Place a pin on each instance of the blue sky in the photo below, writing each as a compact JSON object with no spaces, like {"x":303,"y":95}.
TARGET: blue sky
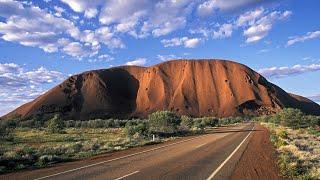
{"x":44,"y":41}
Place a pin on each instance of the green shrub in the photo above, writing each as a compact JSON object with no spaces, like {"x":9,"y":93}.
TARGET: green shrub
{"x":186,"y":121}
{"x":210,"y":121}
{"x":163,"y":122}
{"x":291,"y":118}
{"x":133,"y":128}
{"x":55,"y":125}
{"x":198,"y":123}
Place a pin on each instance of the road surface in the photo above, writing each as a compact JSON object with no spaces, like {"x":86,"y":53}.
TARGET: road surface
{"x":209,"y":156}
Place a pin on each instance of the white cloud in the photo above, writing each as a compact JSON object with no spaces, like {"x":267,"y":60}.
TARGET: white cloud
{"x":224,"y":31}
{"x":258,"y":25}
{"x":32,"y":26}
{"x":140,"y":18}
{"x":89,"y":8}
{"x":167,"y":57}
{"x":59,"y":11}
{"x":76,"y":49}
{"x":308,"y":36}
{"x":102,"y":58}
{"x":18,"y":86}
{"x":184,"y":41}
{"x":137,"y":62}
{"x":29,"y":25}
{"x":249,"y":17}
{"x":279,"y":72}
{"x":209,"y":6}
{"x":35,"y":27}
{"x":106,"y":57}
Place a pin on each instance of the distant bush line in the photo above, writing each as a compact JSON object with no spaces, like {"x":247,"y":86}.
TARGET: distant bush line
{"x":292,"y":118}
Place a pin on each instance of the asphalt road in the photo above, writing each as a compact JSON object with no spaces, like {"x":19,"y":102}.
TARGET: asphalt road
{"x":210,"y":156}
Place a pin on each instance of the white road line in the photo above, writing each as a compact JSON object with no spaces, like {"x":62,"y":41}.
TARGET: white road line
{"x":200,"y":145}
{"x":122,"y":177}
{"x":130,"y":155}
{"x":229,"y":157}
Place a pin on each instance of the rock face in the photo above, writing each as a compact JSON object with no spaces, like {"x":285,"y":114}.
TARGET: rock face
{"x":191,"y":87}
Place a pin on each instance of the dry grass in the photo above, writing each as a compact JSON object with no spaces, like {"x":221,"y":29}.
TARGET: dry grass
{"x":38,"y":148}
{"x":299,"y":151}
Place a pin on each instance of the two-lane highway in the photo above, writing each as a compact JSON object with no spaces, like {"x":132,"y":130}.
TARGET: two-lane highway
{"x":209,"y":156}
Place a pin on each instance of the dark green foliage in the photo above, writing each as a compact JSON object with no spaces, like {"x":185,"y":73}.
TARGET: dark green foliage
{"x":164,"y":122}
{"x":132,"y":128}
{"x":55,"y":125}
{"x":291,"y":118}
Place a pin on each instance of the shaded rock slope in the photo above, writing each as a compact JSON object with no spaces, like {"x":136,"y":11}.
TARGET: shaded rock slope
{"x":192,"y":87}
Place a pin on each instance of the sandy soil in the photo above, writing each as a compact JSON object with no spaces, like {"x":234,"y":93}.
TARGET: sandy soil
{"x":259,"y":159}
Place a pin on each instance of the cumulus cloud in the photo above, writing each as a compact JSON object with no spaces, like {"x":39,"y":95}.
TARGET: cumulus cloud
{"x":89,"y":8}
{"x":308,"y":36}
{"x":31,"y":26}
{"x":224,"y":31}
{"x":279,"y":72}
{"x":137,"y":62}
{"x":184,"y":41}
{"x":209,"y":6}
{"x":55,"y":29}
{"x":138,"y":18}
{"x":256,"y":25}
{"x":18,"y":85}
{"x":259,"y":22}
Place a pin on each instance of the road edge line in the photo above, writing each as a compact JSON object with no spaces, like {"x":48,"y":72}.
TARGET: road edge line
{"x":229,"y":157}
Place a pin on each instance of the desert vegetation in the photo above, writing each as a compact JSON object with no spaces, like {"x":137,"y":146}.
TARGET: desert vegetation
{"x":38,"y":142}
{"x":296,"y":137}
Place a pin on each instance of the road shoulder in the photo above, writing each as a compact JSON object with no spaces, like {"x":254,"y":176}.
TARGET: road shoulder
{"x":259,"y":160}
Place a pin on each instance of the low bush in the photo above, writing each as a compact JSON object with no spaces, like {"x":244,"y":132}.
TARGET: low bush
{"x":164,"y":122}
{"x":136,"y":129}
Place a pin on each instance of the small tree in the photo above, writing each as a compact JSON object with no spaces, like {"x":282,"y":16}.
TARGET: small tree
{"x":55,"y":124}
{"x":4,"y":129}
{"x":291,"y":117}
{"x":163,"y":122}
{"x":132,"y":128}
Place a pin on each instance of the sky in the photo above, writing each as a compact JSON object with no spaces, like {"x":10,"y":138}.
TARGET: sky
{"x":42,"y":42}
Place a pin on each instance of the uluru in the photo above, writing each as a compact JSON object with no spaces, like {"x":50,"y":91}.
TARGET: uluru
{"x":196,"y":88}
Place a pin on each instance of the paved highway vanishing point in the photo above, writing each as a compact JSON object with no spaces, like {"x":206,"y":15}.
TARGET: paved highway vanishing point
{"x":210,"y":156}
